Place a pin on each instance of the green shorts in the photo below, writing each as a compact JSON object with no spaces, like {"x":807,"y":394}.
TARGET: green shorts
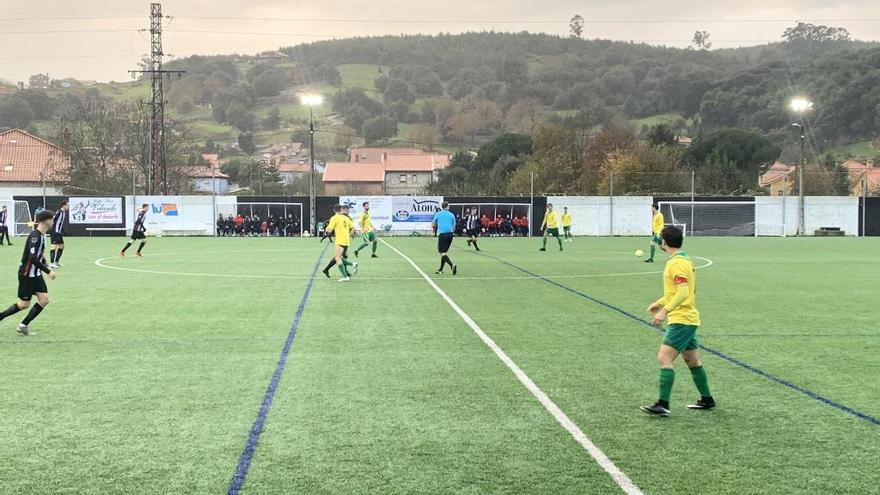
{"x":370,"y":236}
{"x":554,"y":231}
{"x":566,"y":229}
{"x":656,"y":239}
{"x":681,"y":337}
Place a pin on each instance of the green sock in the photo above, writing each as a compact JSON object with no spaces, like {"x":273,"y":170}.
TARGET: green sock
{"x":345,"y":262}
{"x":701,"y":380}
{"x":342,"y":270}
{"x":375,"y":245}
{"x":667,"y":378}
{"x":361,"y":247}
{"x":652,"y":251}
{"x":545,"y":242}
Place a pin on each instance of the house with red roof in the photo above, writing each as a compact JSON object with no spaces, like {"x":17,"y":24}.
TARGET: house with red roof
{"x":204,"y":176}
{"x":862,"y":174}
{"x":779,"y":179}
{"x":397,"y":171}
{"x":28,"y":164}
{"x":342,"y":178}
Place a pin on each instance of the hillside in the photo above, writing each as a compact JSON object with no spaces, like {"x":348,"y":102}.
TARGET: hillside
{"x":457,"y":91}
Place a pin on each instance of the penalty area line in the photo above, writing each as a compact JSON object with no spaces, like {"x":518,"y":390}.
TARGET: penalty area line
{"x":619,"y":477}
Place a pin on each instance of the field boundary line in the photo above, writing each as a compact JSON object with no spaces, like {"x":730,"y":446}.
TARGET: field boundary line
{"x":619,"y":477}
{"x":730,"y":359}
{"x":247,"y":455}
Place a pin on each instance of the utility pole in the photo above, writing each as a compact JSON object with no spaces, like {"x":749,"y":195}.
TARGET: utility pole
{"x":158,"y":180}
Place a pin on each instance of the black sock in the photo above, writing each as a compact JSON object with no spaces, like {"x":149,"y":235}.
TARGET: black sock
{"x":442,"y":262}
{"x":36,"y":309}
{"x":663,"y":403}
{"x":330,"y":265}
{"x":11,"y":310}
{"x":446,"y":259}
{"x":475,"y":246}
{"x":127,"y":245}
{"x":51,"y":256}
{"x":58,"y":256}
{"x":141,"y":247}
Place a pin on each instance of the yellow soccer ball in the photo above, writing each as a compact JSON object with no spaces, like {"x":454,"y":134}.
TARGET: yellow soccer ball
{"x":639,"y":253}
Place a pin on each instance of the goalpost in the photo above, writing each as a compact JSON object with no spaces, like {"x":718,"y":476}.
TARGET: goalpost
{"x":711,"y":218}
{"x":19,"y":219}
{"x":264,"y":210}
{"x":492,"y":210}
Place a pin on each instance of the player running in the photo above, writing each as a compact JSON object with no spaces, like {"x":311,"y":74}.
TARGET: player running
{"x":444,"y":224}
{"x":341,"y":227}
{"x":138,"y":232}
{"x":4,"y":226}
{"x":679,"y":305}
{"x":472,"y":227}
{"x":366,"y":223}
{"x":656,"y":228}
{"x":550,"y":226}
{"x":56,"y":235}
{"x":566,"y":224}
{"x":30,"y":274}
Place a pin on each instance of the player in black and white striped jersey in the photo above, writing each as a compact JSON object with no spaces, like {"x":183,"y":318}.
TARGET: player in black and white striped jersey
{"x":138,"y":232}
{"x":30,"y":274}
{"x":472,"y":227}
{"x":4,"y":226}
{"x":56,"y":235}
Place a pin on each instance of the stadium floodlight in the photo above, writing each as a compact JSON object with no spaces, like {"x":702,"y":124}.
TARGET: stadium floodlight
{"x":800,"y":105}
{"x":312,"y":101}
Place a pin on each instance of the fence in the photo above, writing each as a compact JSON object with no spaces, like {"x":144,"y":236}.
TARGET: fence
{"x":592,"y":215}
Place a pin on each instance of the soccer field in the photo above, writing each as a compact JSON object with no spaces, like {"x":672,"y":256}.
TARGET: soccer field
{"x":170,"y":374}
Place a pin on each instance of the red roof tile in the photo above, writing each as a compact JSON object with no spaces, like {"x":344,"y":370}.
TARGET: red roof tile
{"x":416,"y":163}
{"x":27,"y":158}
{"x":377,"y":155}
{"x":775,"y":173}
{"x":291,"y":167}
{"x":354,"y":172}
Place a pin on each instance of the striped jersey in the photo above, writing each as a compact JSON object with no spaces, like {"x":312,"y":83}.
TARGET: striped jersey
{"x":139,"y":223}
{"x":472,"y":221}
{"x":60,"y":221}
{"x":32,"y":262}
{"x":3,"y":217}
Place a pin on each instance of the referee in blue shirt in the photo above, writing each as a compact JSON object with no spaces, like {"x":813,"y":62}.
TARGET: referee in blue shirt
{"x":444,"y":225}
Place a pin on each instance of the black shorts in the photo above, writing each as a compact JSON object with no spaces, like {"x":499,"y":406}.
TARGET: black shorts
{"x":28,"y":286}
{"x":137,"y":236}
{"x":473,"y":232}
{"x":444,"y":242}
{"x":56,"y":239}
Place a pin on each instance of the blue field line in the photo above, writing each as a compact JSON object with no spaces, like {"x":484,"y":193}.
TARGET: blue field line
{"x":244,"y":462}
{"x":714,"y":352}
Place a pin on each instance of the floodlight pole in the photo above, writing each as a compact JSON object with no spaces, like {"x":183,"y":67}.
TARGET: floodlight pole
{"x":801,"y":228}
{"x":313,"y":226}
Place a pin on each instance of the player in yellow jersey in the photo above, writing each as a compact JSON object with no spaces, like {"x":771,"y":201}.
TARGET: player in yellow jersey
{"x":566,"y":224}
{"x":369,"y":233}
{"x":550,"y":226}
{"x":657,"y":223}
{"x":679,"y":306}
{"x":342,"y":227}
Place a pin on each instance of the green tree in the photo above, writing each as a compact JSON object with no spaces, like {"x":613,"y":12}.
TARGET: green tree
{"x":660,"y":134}
{"x":16,"y":112}
{"x":398,"y":90}
{"x":239,"y":116}
{"x":379,"y":129}
{"x":273,"y":119}
{"x":576,"y":26}
{"x":270,"y":83}
{"x":246,"y":142}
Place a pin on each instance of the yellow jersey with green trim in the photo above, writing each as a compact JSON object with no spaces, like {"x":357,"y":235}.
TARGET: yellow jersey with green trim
{"x":680,"y":270}
{"x":341,"y":226}
{"x":657,"y":223}
{"x":365,"y":221}
{"x":550,"y":220}
{"x":566,"y":219}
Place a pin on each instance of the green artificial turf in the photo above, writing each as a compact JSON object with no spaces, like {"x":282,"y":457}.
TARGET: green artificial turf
{"x":146,"y":375}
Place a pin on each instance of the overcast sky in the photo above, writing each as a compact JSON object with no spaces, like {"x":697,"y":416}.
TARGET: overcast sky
{"x":104,"y":49}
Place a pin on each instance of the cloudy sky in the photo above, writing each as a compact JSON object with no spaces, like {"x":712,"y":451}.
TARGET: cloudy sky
{"x":97,"y":39}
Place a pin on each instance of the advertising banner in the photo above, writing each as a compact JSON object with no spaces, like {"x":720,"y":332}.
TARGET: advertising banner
{"x":414,"y":212}
{"x":96,"y":211}
{"x":380,"y":210}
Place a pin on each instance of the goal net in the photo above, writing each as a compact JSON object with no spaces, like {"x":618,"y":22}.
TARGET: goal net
{"x":711,"y":218}
{"x":288,"y":216}
{"x":19,"y":218}
{"x":497,"y":219}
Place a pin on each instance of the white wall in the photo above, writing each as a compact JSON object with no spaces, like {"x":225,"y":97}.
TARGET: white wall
{"x":602,"y":215}
{"x":8,"y":191}
{"x":831,"y":211}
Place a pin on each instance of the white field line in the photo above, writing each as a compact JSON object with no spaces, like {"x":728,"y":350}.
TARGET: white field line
{"x":595,"y":452}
